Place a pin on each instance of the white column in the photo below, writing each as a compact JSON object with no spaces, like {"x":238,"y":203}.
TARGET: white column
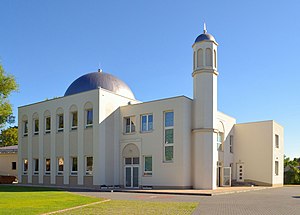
{"x":41,"y":148}
{"x":80,"y":157}
{"x":117,"y":147}
{"x":53,"y":153}
{"x":67,"y":128}
{"x":29,"y":157}
{"x":20,"y":146}
{"x":96,"y":143}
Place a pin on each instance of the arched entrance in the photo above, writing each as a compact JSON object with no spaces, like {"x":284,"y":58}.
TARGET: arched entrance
{"x":131,"y":159}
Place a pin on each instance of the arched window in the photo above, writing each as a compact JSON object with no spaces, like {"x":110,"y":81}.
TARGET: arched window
{"x":208,"y":57}
{"x":73,"y":117}
{"x":199,"y":58}
{"x":215,"y":58}
{"x":194,"y":62}
{"x":88,"y":114}
{"x":35,"y":119}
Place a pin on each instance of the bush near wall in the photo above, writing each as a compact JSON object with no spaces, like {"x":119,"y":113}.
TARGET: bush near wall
{"x":4,"y":179}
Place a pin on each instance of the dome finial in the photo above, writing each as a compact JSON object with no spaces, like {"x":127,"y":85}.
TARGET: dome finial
{"x":204,"y":28}
{"x":99,"y":67}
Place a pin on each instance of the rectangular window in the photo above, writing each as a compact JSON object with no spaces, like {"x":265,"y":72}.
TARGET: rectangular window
{"x":47,"y":166}
{"x":60,"y":120}
{"x":220,"y":138}
{"x":74,"y":166}
{"x":89,"y":117}
{"x":129,"y":124}
{"x":47,"y":124}
{"x":148,"y":166}
{"x":13,"y":165}
{"x":25,"y":166}
{"x":74,"y":118}
{"x":146,"y":122}
{"x":231,"y":143}
{"x":89,"y":166}
{"x":168,"y":136}
{"x":35,"y":166}
{"x":25,"y":128}
{"x":36,"y":126}
{"x":276,"y":141}
{"x":60,"y":166}
{"x":276,"y":168}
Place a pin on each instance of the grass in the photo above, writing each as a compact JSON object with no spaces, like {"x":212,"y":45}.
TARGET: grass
{"x":121,"y":207}
{"x":36,"y":200}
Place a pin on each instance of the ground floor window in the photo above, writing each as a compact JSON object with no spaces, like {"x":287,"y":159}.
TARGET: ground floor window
{"x":74,"y":165}
{"x":276,"y":168}
{"x":25,"y":166}
{"x":60,"y":166}
{"x":89,"y":166}
{"x":148,"y":166}
{"x":47,"y":166}
{"x":36,"y":166}
{"x":13,"y":165}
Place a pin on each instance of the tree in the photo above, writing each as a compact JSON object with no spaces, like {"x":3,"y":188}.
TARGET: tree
{"x":7,"y":86}
{"x":292,"y":172}
{"x":9,"y":136}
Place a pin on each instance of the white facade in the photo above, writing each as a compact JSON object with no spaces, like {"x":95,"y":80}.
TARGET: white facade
{"x":98,"y":134}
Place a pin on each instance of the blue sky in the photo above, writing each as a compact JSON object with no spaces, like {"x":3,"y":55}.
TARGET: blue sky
{"x":48,"y":44}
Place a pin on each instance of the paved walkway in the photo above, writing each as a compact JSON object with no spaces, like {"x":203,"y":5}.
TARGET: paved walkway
{"x":275,"y":201}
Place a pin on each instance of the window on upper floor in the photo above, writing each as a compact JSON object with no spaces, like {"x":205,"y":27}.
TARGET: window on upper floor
{"x":147,"y":165}
{"x":168,"y":136}
{"x":47,"y":124}
{"x":74,"y":120}
{"x":129,"y":124}
{"x":60,"y":122}
{"x":25,"y":128}
{"x":89,"y":166}
{"x":36,"y":127}
{"x":146,"y":122}
{"x":276,"y":140}
{"x":231,"y":144}
{"x":220,"y":139}
{"x":89,"y":118}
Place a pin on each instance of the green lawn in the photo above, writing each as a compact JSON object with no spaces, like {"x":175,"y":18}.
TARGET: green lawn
{"x":35,"y":200}
{"x":137,"y":207}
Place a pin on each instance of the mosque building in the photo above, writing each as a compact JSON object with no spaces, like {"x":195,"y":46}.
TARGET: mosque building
{"x":98,"y":134}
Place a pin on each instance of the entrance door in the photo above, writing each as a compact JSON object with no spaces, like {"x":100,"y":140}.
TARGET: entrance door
{"x":240,"y":172}
{"x":131,"y":176}
{"x":226,"y":177}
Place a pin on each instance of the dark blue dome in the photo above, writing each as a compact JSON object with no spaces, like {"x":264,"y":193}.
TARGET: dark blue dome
{"x":205,"y":36}
{"x":96,"y":80}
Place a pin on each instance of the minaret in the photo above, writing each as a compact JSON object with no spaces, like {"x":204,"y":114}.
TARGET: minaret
{"x":205,"y":76}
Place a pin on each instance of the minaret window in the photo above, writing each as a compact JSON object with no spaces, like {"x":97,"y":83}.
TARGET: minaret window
{"x":208,"y":57}
{"x":199,"y":58}
{"x":194,"y":61}
{"x":215,"y":59}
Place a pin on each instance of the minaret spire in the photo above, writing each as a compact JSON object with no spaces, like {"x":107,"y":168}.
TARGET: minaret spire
{"x":204,"y":28}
